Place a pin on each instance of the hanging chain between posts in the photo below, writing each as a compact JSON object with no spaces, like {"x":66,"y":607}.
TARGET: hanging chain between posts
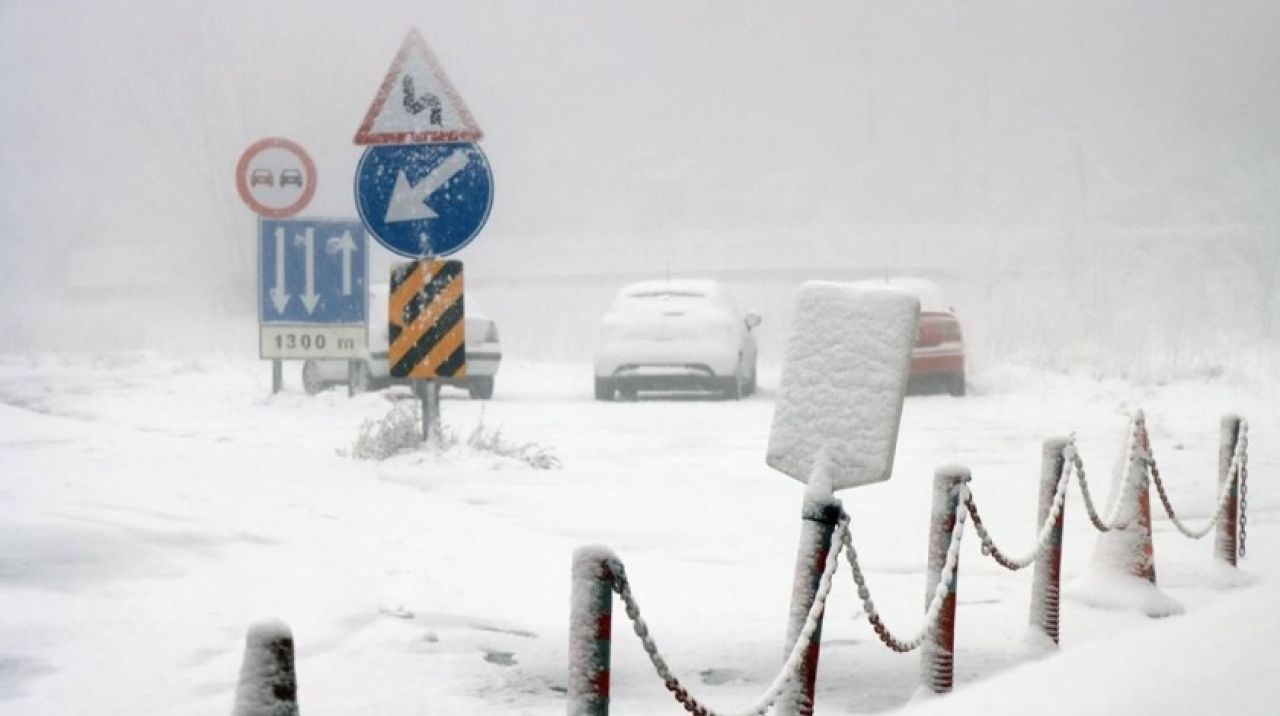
{"x":1112,"y":522}
{"x":934,"y":611}
{"x":1244,"y":503}
{"x":793,"y":663}
{"x":1045,"y":534}
{"x":1235,"y":473}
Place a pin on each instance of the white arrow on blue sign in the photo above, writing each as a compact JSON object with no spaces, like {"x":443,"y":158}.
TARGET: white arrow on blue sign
{"x":422,"y":200}
{"x":312,"y":272}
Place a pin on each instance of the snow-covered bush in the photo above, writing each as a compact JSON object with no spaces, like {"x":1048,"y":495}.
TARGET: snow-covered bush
{"x":539,"y":457}
{"x":400,"y":431}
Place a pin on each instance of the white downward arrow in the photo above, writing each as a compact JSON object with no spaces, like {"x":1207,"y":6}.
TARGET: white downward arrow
{"x":279,"y":298}
{"x":309,"y":297}
{"x":407,"y":199}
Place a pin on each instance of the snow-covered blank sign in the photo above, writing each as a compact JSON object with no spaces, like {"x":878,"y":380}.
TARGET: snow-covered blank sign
{"x":843,"y":383}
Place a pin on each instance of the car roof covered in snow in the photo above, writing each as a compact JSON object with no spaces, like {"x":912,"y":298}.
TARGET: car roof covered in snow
{"x":689,"y":286}
{"x":931,"y":299}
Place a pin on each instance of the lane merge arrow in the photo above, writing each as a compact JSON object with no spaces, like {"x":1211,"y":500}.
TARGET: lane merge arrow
{"x":346,"y":246}
{"x":407,"y":200}
{"x":279,"y":298}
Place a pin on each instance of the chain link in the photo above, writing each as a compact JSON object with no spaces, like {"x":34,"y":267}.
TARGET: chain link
{"x":1242,"y":447}
{"x":1235,"y":473}
{"x":790,"y":667}
{"x":934,"y":611}
{"x":1098,"y":523}
{"x":1043,"y":535}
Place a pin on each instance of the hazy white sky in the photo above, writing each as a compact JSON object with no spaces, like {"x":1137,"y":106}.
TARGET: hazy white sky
{"x":706,"y":129}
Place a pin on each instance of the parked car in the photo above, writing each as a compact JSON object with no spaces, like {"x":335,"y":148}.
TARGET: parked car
{"x":675,"y":335}
{"x":484,"y":355}
{"x":937,"y":359}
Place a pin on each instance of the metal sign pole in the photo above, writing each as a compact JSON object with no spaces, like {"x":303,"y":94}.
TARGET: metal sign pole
{"x":277,"y":376}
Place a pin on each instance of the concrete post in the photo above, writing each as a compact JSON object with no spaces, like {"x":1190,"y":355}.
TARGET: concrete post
{"x":1047,"y":579}
{"x":590,"y":632}
{"x":937,"y":654}
{"x":1225,"y":545}
{"x":268,"y":684}
{"x":819,"y":515}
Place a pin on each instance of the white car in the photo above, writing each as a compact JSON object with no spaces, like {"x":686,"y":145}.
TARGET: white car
{"x":484,"y":355}
{"x":674,"y":335}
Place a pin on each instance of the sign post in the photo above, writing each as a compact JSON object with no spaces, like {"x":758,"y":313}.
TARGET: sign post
{"x":424,"y":190}
{"x":276,"y":178}
{"x":836,"y":426}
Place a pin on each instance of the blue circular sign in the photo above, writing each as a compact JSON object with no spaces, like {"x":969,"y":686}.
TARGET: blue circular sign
{"x":422,"y":200}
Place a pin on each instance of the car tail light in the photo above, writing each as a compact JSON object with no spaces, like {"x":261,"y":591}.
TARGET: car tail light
{"x":491,"y":334}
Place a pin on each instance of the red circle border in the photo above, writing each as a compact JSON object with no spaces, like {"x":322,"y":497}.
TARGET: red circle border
{"x":242,"y":184}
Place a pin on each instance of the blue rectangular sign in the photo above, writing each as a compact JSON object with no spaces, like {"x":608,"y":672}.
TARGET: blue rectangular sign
{"x":312,"y":271}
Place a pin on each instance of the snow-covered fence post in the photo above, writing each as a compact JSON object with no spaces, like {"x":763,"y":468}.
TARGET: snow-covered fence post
{"x":268,"y":684}
{"x":1047,"y":580}
{"x":1225,"y":546}
{"x":1140,"y":475}
{"x":937,"y":654}
{"x":819,"y":516}
{"x":590,"y":629}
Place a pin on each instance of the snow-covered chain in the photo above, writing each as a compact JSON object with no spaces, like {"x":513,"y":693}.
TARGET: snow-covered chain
{"x":934,"y":611}
{"x":790,"y":667}
{"x":1239,"y":463}
{"x":1045,"y":535}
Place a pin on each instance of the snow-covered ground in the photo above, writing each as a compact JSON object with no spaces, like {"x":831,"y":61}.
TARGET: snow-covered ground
{"x":152,"y":509}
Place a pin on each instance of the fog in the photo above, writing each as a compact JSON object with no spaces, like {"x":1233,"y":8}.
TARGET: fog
{"x":1096,"y":185}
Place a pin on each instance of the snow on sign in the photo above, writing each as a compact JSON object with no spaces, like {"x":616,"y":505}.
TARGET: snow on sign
{"x":417,"y":104}
{"x":276,"y":178}
{"x":843,"y":383}
{"x":313,"y":297}
{"x":422,"y":200}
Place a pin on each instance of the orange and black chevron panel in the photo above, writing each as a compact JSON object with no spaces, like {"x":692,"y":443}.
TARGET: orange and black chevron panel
{"x":426,"y":323}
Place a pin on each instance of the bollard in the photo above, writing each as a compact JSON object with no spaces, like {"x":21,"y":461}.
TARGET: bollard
{"x":590,"y":628}
{"x":937,"y":654}
{"x":819,"y":516}
{"x":1225,"y":545}
{"x":268,"y":684}
{"x":1047,"y":580}
{"x":1140,"y":471}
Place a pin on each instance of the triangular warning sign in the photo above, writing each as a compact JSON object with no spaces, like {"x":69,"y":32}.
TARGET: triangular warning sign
{"x":417,"y":104}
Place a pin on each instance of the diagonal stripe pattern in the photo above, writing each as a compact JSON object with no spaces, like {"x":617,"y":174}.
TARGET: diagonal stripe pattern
{"x":426,"y":325}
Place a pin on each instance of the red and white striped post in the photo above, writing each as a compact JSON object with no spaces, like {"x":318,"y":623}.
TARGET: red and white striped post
{"x":819,"y":516}
{"x":1047,"y":579}
{"x":1225,"y":545}
{"x":268,"y":683}
{"x":1145,"y":563}
{"x":590,"y":631}
{"x":937,"y":654}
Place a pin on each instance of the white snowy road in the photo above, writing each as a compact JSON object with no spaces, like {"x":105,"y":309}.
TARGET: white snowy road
{"x":151,"y":510}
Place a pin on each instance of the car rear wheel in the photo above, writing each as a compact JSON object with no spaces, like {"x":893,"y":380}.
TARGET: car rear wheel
{"x":480,"y":386}
{"x":955,"y":384}
{"x":361,"y":378}
{"x":311,"y":378}
{"x":604,"y":389}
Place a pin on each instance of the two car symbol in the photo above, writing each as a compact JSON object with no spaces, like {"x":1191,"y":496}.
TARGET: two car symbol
{"x":287,"y":177}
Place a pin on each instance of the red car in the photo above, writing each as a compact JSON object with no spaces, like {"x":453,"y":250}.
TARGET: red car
{"x":937,"y":359}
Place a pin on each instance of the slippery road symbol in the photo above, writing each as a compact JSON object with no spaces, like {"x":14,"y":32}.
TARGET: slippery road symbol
{"x":415,"y":104}
{"x":408,"y":201}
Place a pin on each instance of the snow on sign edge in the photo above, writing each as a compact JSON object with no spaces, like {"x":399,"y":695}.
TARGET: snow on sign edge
{"x":843,"y":383}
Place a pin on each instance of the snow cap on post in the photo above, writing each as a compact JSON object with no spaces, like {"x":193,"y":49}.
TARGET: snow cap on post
{"x":843,"y":383}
